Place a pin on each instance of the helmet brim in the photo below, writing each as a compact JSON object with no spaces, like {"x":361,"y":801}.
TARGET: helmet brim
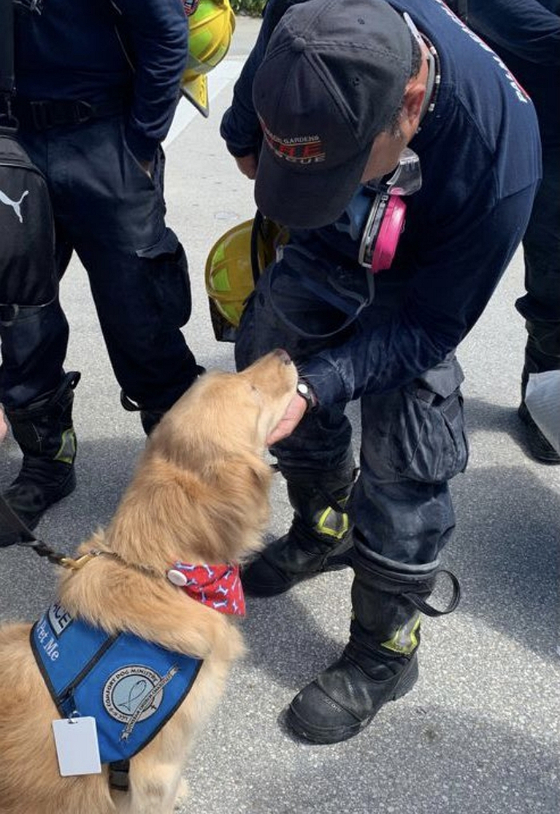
{"x":196,"y":91}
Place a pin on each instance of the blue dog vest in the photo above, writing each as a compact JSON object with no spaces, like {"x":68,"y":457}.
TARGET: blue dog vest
{"x":130,"y":686}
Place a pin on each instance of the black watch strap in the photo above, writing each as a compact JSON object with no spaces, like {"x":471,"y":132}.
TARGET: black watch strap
{"x":305,"y":391}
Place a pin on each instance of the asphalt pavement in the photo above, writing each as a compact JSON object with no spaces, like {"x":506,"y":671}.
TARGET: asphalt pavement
{"x":479,"y":733}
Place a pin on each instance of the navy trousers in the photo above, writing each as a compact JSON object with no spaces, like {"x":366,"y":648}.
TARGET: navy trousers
{"x":112,"y":214}
{"x":412,"y":439}
{"x":541,"y":246}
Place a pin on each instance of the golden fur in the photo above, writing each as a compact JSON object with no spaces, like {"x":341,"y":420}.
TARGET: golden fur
{"x":199,"y":495}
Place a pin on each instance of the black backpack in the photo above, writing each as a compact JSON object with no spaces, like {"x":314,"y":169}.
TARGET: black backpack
{"x":27,"y":268}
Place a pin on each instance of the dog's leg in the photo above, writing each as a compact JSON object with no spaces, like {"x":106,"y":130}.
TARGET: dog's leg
{"x":182,"y":794}
{"x":153,"y":788}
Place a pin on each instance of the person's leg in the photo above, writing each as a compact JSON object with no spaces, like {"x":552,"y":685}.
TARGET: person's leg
{"x":36,"y":393}
{"x":541,"y":304}
{"x":316,"y":460}
{"x":45,"y":434}
{"x":115,"y":215}
{"x":413,"y":442}
{"x":33,"y":327}
{"x":33,"y":340}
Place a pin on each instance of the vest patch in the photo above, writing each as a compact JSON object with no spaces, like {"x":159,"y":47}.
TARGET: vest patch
{"x":130,"y":686}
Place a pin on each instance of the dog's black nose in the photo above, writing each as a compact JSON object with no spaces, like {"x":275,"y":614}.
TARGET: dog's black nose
{"x":284,"y":355}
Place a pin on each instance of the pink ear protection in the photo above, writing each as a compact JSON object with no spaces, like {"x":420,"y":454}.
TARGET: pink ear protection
{"x":390,"y":230}
{"x":386,"y":218}
{"x":382,"y":232}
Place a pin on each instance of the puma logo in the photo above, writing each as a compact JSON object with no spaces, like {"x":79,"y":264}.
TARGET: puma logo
{"x":16,"y":205}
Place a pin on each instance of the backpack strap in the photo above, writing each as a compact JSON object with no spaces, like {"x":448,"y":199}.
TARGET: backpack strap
{"x":8,"y":123}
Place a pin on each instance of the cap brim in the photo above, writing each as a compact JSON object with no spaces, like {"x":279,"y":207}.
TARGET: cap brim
{"x":196,"y":91}
{"x":306,"y":200}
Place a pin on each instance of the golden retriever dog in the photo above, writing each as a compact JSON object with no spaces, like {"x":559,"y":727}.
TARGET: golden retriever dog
{"x":199,"y":496}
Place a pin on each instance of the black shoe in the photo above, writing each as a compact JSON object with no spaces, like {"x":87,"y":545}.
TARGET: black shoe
{"x":286,"y":562}
{"x":540,"y":448}
{"x":344,"y":699}
{"x":37,"y":488}
{"x":150,"y":419}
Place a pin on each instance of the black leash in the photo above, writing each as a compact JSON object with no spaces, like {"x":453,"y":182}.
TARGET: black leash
{"x":13,"y":531}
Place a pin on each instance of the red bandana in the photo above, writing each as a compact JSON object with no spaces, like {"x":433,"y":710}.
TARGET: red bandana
{"x":217,"y":586}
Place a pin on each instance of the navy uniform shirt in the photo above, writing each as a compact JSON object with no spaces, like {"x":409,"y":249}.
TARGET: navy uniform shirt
{"x":526,"y":34}
{"x":94,"y":49}
{"x":480,"y":157}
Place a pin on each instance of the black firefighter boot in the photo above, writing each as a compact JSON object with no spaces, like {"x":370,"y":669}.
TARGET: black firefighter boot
{"x":150,"y":419}
{"x":319,"y":539}
{"x":380,"y":662}
{"x":44,"y":432}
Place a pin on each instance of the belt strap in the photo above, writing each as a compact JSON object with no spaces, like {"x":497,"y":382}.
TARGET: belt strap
{"x":43,"y":114}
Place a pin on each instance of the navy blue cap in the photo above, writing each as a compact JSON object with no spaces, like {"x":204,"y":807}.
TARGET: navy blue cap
{"x":332,"y":79}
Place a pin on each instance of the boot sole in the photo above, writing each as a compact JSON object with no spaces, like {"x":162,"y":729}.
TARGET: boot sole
{"x":308,"y":732}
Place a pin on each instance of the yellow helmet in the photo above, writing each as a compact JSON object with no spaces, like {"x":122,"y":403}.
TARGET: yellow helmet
{"x":234,"y":263}
{"x":211,"y":28}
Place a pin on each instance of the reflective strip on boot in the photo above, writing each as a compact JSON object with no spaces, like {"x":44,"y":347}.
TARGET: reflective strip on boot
{"x":332,"y":523}
{"x":404,"y":640}
{"x":67,"y":449}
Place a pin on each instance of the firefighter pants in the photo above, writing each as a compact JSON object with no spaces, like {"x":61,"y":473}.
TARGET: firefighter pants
{"x":112,"y":214}
{"x":541,"y":246}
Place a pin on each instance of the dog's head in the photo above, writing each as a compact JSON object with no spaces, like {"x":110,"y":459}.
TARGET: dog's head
{"x":201,"y":490}
{"x":231,"y":411}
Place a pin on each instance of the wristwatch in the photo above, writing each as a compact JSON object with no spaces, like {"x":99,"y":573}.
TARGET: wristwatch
{"x":305,"y":391}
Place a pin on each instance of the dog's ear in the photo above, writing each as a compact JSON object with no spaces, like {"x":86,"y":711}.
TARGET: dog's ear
{"x":171,"y":513}
{"x":159,"y":510}
{"x":238,"y":507}
{"x":233,"y":508}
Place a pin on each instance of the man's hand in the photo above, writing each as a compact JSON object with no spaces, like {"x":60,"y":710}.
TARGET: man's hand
{"x":294,"y":413}
{"x":248,"y":165}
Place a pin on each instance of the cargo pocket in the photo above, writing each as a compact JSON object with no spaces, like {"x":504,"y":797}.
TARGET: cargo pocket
{"x":434,"y":443}
{"x":168,"y":278}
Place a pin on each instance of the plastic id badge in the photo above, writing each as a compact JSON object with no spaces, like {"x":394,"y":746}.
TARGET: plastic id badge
{"x":77,"y":747}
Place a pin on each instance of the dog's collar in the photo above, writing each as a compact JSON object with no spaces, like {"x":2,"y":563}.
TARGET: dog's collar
{"x":216,"y":586}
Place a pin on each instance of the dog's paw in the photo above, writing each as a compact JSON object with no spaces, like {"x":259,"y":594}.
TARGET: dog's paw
{"x":182,"y":794}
